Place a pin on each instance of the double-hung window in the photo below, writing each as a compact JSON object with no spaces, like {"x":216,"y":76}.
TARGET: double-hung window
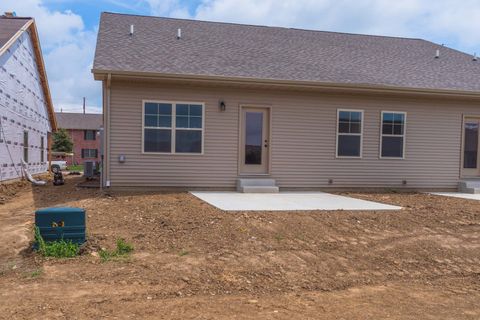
{"x":392,"y":142}
{"x":89,"y":134}
{"x":89,"y":153}
{"x":173,"y":127}
{"x":349,"y":133}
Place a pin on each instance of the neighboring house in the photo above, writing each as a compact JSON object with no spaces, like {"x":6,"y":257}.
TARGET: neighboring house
{"x":201,"y":104}
{"x":26,"y":109}
{"x":84,"y":130}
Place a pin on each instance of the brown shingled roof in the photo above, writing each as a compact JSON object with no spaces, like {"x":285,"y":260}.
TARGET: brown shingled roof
{"x":272,"y":53}
{"x":9,"y":27}
{"x":81,"y":121}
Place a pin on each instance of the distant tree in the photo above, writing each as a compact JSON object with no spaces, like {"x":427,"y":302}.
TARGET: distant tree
{"x":62,"y":141}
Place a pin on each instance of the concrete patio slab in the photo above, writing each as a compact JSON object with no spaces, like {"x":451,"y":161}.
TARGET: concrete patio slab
{"x":286,"y":201}
{"x":469,"y":196}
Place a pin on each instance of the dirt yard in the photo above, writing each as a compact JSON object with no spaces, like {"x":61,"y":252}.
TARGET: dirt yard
{"x":192,"y":261}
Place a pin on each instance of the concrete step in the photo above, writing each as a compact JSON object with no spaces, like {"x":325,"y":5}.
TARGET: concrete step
{"x":259,"y":189}
{"x":469,"y":186}
{"x":256,"y":185}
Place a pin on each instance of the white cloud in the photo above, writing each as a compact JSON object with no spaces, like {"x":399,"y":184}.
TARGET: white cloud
{"x":54,"y":27}
{"x":455,"y":23}
{"x":171,"y":8}
{"x":68,"y":50}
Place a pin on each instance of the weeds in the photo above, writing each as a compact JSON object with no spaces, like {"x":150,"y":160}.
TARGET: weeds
{"x":122,"y":251}
{"x":123,"y":247}
{"x":56,"y":249}
{"x":34,"y":274}
{"x":183,"y":252}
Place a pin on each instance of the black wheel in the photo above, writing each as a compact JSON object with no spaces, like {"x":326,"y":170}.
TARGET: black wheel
{"x":55,"y":168}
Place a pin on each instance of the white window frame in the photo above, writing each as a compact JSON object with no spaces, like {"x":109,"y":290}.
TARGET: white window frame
{"x":173,"y":127}
{"x":404,"y":135}
{"x":349,"y":134}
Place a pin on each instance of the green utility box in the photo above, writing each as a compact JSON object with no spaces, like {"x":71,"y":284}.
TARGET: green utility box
{"x":63,"y":223}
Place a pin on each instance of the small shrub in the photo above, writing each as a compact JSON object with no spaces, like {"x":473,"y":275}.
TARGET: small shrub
{"x":39,"y":240}
{"x":122,"y":251}
{"x":105,"y":255}
{"x":123,"y":247}
{"x":56,"y":249}
{"x":61,"y":249}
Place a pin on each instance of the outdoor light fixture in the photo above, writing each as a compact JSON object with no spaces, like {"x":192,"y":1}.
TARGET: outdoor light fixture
{"x":222,"y":105}
{"x":122,"y":158}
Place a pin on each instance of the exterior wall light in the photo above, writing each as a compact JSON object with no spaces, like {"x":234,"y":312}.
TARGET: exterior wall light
{"x":222,"y":105}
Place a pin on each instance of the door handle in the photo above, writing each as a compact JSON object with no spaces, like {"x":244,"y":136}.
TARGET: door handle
{"x":266,"y":144}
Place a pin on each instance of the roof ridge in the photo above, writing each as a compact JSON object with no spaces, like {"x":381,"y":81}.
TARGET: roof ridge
{"x":263,"y":26}
{"x":16,"y":18}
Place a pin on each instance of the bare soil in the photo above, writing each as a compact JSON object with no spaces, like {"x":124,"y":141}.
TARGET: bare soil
{"x":193,"y":261}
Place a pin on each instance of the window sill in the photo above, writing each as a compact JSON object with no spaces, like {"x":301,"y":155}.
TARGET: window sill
{"x":391,"y":158}
{"x":174,"y":154}
{"x":348,"y":157}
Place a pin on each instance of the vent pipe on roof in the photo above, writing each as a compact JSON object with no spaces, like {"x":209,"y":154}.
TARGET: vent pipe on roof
{"x":131,"y":29}
{"x":437,"y":54}
{"x":179,"y":33}
{"x":475,"y":56}
{"x":10,"y":14}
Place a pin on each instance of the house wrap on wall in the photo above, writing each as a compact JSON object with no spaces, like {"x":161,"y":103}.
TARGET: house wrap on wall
{"x":26,"y":109}
{"x":203,"y":104}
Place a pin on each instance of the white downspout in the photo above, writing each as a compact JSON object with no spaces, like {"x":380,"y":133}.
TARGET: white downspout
{"x":106,"y":131}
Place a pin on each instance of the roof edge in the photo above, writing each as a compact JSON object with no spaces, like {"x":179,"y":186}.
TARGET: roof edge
{"x":43,"y":74}
{"x":100,"y":74}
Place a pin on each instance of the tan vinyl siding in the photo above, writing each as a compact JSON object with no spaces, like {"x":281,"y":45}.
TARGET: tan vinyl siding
{"x":303,"y":139}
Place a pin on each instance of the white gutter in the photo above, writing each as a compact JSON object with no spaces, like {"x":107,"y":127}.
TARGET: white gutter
{"x":99,"y":74}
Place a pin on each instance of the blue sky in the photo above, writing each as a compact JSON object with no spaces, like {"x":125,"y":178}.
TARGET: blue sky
{"x":68,"y":28}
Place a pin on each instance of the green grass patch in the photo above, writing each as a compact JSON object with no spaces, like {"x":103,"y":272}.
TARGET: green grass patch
{"x":279,"y":237}
{"x":34,"y":274}
{"x":76,"y":167}
{"x":183,"y":252}
{"x":122,"y":250}
{"x":56,"y":249}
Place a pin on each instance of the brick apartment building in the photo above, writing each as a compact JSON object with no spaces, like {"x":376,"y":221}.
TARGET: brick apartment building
{"x":84,"y":131}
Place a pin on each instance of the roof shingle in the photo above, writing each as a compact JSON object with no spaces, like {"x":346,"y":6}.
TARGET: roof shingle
{"x":80,"y":121}
{"x":9,"y":27}
{"x":274,"y":53}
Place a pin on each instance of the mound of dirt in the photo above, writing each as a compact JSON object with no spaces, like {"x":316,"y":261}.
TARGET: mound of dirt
{"x":192,"y":260}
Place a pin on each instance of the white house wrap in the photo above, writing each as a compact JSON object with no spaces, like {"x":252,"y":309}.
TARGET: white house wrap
{"x":25,"y":121}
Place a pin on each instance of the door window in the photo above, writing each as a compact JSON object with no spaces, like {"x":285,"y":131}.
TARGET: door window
{"x":470,"y":149}
{"x":253,"y":137}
